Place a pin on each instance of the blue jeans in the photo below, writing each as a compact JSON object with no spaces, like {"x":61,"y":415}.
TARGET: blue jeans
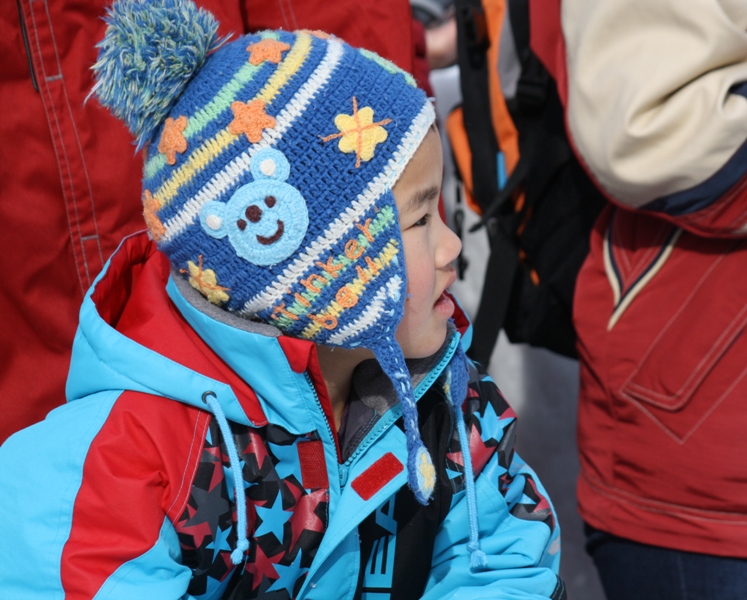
{"x":633,"y":571}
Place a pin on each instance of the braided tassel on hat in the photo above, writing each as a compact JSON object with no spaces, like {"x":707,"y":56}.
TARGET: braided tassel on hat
{"x":421,"y":474}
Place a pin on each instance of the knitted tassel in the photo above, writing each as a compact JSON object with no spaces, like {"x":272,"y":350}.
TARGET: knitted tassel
{"x":421,"y":474}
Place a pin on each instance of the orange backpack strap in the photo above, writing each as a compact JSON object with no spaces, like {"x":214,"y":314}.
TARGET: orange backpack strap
{"x":482,"y":134}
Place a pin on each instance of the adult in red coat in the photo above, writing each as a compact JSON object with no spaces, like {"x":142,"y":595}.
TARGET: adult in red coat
{"x":656,"y":99}
{"x":60,"y":159}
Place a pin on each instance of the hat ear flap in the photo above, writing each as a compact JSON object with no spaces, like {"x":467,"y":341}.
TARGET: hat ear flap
{"x":212,"y":219}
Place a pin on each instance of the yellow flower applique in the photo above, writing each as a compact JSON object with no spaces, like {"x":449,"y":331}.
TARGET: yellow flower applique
{"x":206,"y":282}
{"x":359,"y":133}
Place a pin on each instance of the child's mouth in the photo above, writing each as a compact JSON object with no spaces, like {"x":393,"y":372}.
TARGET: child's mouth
{"x":444,"y":306}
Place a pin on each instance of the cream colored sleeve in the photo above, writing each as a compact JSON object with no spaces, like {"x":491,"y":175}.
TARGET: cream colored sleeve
{"x":651,"y":107}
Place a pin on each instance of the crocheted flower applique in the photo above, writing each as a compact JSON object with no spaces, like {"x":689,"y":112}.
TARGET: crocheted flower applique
{"x":150,"y":213}
{"x":172,"y":138}
{"x":359,"y":133}
{"x":250,"y":118}
{"x":206,"y":282}
{"x":266,"y":50}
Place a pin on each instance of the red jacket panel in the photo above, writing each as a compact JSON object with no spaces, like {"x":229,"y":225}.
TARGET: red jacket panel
{"x":660,"y":315}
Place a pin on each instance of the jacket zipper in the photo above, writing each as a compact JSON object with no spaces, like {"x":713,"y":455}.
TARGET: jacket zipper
{"x":324,"y":415}
{"x":395,"y":412}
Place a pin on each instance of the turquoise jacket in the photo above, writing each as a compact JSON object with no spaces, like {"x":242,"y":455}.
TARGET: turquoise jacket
{"x":127,"y":491}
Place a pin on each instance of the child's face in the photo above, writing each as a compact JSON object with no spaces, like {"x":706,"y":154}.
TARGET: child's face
{"x":429,"y":249}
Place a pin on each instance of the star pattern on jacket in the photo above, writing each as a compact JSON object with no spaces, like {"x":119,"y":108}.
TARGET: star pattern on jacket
{"x":172,"y":138}
{"x":251,"y":119}
{"x":220,"y":543}
{"x":359,"y":133}
{"x":266,"y":50}
{"x":257,"y":448}
{"x":289,"y":575}
{"x":304,"y":517}
{"x":273,"y":519}
{"x":285,"y":521}
{"x":262,"y":566}
{"x":217,"y":475}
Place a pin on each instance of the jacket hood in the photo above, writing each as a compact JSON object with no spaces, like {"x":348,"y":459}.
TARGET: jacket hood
{"x":144,"y":330}
{"x":138,"y":331}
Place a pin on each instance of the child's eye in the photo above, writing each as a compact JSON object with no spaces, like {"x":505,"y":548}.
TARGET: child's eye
{"x":422,"y":221}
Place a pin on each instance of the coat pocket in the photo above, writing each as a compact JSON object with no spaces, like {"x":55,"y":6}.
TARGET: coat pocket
{"x":698,"y":355}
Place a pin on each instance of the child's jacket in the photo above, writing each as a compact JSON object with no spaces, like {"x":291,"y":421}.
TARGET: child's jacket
{"x":128,"y":490}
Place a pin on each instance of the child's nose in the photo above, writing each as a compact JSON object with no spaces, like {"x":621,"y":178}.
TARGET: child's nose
{"x":449,"y":246}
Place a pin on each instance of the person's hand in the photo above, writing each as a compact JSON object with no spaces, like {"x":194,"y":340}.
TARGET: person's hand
{"x":441,"y":44}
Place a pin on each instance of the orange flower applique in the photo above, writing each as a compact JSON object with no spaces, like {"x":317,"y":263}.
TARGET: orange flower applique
{"x":359,"y":133}
{"x":206,"y":282}
{"x":250,"y":118}
{"x":150,"y":212}
{"x":172,"y":138}
{"x":267,"y":49}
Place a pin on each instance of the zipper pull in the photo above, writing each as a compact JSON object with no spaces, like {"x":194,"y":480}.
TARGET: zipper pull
{"x":344,"y":470}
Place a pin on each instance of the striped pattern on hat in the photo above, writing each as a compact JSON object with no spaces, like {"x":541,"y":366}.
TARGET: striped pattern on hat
{"x":346,"y":123}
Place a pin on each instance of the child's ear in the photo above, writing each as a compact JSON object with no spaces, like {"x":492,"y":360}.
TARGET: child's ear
{"x":212,"y":219}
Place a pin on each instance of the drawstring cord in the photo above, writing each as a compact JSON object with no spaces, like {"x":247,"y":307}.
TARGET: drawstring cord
{"x":242,"y":543}
{"x":456,"y":389}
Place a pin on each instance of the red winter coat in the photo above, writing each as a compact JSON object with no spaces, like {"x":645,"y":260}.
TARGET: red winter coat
{"x":656,"y":106}
{"x":60,"y":159}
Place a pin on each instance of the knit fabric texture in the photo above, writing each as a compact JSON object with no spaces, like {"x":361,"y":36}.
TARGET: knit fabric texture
{"x":268,"y":176}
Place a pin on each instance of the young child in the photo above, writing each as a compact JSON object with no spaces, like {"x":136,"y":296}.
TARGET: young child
{"x":242,"y":417}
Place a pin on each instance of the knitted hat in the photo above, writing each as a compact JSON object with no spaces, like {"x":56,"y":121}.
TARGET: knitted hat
{"x":269,"y":173}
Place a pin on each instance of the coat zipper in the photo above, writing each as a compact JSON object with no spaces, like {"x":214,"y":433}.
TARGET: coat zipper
{"x":326,"y":421}
{"x":395,"y":412}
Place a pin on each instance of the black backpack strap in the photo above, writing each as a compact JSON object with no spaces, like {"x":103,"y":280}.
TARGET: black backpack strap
{"x":473,"y":43}
{"x":500,"y":275}
{"x":531,"y":89}
{"x":541,"y":155}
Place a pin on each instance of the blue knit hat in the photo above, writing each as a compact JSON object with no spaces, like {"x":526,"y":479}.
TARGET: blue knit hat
{"x":269,"y":171}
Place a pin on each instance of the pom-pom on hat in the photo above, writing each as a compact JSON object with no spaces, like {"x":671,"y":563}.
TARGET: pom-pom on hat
{"x":268,"y":177}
